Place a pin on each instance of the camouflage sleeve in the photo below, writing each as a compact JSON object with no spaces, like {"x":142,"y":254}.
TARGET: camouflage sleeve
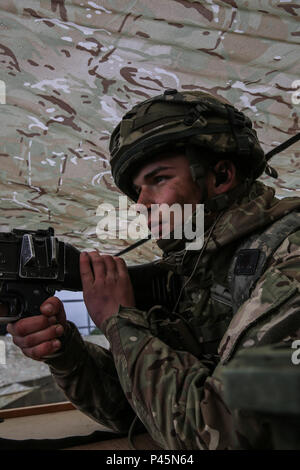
{"x":87,"y":375}
{"x":169,"y":390}
{"x":175,"y":395}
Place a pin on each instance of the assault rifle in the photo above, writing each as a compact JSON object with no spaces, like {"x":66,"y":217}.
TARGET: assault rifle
{"x":35,"y":264}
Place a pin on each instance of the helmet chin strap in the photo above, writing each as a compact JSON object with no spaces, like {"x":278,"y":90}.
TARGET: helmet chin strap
{"x":199,"y":172}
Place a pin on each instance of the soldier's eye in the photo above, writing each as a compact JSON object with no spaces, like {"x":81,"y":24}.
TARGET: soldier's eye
{"x":160,"y":178}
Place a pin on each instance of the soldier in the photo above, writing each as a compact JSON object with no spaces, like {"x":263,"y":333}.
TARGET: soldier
{"x":239,"y":291}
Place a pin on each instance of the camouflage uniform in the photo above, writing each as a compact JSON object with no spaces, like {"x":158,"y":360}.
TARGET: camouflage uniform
{"x":176,"y":394}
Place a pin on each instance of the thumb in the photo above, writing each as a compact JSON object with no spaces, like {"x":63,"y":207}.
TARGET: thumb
{"x":54,"y":307}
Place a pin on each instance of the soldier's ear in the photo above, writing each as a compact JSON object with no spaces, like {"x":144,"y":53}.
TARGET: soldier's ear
{"x":224,"y":176}
{"x":221,"y":177}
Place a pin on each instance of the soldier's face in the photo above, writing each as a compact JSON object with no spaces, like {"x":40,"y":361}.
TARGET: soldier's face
{"x":168,"y":180}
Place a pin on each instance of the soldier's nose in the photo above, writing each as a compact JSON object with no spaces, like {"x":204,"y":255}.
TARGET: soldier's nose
{"x":145,"y":198}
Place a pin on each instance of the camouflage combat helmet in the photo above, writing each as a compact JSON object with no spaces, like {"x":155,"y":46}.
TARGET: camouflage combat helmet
{"x":191,"y":119}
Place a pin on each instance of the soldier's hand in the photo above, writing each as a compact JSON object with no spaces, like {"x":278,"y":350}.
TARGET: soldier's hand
{"x":38,"y":336}
{"x":106,"y":285}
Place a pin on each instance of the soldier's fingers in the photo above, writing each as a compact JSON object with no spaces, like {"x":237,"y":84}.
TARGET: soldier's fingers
{"x":28,"y":325}
{"x":98,"y":265}
{"x":52,"y":320}
{"x":86,"y":273}
{"x":121,"y":267}
{"x":54,"y":310}
{"x":42,"y":350}
{"x":52,"y":306}
{"x":111,"y":268}
{"x":39,"y":337}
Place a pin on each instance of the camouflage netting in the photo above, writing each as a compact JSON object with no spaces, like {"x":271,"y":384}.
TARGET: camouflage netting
{"x":72,"y":68}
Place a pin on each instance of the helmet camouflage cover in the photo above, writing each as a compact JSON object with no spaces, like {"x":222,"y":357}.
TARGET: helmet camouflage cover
{"x":190,"y":118}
